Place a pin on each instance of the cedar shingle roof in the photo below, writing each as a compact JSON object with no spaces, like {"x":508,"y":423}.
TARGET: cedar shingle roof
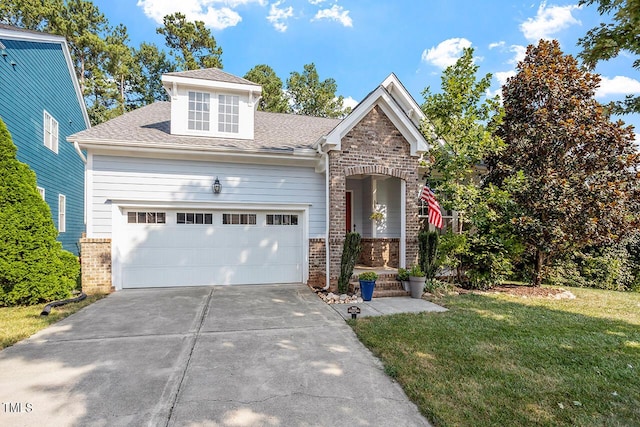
{"x":150,"y":126}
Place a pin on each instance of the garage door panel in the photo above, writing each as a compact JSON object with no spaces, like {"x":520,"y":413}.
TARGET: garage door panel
{"x":218,"y":254}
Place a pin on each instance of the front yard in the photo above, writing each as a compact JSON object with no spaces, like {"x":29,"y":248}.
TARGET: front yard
{"x":21,"y":322}
{"x":501,"y":360}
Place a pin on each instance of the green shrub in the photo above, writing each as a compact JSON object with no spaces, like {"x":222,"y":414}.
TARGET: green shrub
{"x":32,"y":269}
{"x":350,"y":253}
{"x":403,"y":274}
{"x":368,"y":276}
{"x":428,"y":242}
{"x":416,"y":271}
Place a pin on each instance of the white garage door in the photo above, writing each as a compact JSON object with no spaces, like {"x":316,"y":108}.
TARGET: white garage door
{"x":196,"y":248}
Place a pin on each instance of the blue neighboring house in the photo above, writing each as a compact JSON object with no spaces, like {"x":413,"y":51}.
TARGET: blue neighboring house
{"x":41,"y":104}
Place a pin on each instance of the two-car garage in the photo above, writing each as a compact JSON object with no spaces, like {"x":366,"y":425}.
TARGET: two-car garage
{"x":157,"y":247}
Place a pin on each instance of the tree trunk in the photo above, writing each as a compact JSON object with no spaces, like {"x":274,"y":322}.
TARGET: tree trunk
{"x":537,"y":276}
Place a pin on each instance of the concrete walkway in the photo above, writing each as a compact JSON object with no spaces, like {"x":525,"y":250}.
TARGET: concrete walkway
{"x":392,"y":305}
{"x":218,"y":356}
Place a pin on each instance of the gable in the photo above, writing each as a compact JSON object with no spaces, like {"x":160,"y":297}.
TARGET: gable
{"x":397,"y":105}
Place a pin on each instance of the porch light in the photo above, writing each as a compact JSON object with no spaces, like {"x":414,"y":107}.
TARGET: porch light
{"x":217,"y":187}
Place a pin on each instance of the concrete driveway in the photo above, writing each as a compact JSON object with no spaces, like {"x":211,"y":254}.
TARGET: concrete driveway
{"x":216,"y":356}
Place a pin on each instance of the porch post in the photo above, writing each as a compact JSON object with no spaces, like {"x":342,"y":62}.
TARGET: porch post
{"x":402,"y":262}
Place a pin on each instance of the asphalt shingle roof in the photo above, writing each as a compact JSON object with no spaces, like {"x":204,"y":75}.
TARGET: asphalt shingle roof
{"x":214,"y":74}
{"x":150,"y":126}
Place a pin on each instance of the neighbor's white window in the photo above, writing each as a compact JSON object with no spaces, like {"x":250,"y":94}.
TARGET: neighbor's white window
{"x":41,"y":192}
{"x":62,"y":213}
{"x":199,"y":110}
{"x":228,"y":113}
{"x":50,"y":132}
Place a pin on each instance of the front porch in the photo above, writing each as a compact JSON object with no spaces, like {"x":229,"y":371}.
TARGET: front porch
{"x":387,"y":284}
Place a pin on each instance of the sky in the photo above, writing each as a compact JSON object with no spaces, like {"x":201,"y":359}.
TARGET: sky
{"x":359,"y":43}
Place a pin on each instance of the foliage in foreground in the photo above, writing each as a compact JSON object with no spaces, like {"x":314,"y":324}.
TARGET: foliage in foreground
{"x":496,"y":360}
{"x":33,"y":265}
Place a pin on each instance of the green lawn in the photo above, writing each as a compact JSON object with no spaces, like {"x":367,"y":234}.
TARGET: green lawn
{"x":21,"y":322}
{"x":500,"y":360}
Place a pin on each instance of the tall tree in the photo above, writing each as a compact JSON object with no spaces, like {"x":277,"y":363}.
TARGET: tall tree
{"x":150,"y":63}
{"x":574,"y":173}
{"x":29,"y":14}
{"x":119,"y":64}
{"x":192,"y":43}
{"x":607,"y":40}
{"x":312,"y":97}
{"x":273,"y":97}
{"x":460,"y":126}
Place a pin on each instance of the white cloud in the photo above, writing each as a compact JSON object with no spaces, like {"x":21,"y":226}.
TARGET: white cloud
{"x":279,"y":16}
{"x":316,"y":2}
{"x":216,"y":14}
{"x":548,"y":21}
{"x":446,"y":53}
{"x":619,"y":85}
{"x":519,"y":51}
{"x":496,"y":44}
{"x":349,"y":102}
{"x":502,"y":76}
{"x":336,"y":13}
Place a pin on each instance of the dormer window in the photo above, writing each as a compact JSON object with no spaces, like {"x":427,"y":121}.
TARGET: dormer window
{"x":199,"y":108}
{"x":228,"y":113}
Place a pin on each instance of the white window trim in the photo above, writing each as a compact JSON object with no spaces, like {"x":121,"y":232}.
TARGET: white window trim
{"x":195,"y":111}
{"x":62,"y":213}
{"x":50,"y":132}
{"x":41,"y":191}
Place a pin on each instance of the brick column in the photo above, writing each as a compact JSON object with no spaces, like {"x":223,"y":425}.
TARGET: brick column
{"x":96,"y":265}
{"x":317,"y":263}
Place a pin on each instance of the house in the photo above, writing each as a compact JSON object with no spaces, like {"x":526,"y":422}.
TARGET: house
{"x":41,"y":104}
{"x":206,"y":190}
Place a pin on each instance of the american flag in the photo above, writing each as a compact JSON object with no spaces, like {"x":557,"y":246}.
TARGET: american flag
{"x":435,"y":216}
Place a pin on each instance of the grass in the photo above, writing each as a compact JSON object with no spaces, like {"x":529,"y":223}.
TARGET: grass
{"x":21,"y":322}
{"x":500,"y":360}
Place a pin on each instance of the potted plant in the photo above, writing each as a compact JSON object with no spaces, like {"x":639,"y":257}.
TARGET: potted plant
{"x":367,"y":283}
{"x":417,"y":280}
{"x":377,"y":216}
{"x":403,"y":277}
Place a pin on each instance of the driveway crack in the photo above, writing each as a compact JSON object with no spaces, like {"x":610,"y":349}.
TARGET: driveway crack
{"x":196,"y":334}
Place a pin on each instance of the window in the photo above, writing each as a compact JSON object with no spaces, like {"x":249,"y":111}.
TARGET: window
{"x":228,"y":113}
{"x":62,"y":213}
{"x":199,"y":110}
{"x":242,"y":219}
{"x":50,"y":132}
{"x":194,"y":218}
{"x":285,"y":219}
{"x":146,"y":218}
{"x":41,"y":191}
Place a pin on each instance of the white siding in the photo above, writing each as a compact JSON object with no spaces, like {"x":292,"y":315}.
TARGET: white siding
{"x":164,"y":180}
{"x":388,"y":198}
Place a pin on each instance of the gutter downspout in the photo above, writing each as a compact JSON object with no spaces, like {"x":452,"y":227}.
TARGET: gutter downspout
{"x":327,"y":220}
{"x":79,"y":151}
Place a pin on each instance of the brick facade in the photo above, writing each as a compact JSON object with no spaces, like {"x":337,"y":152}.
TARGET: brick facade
{"x":96,"y":265}
{"x":373,"y":147}
{"x":380,"y":252}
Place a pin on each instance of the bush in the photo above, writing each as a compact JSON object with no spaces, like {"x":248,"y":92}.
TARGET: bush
{"x":33,"y":266}
{"x":428,"y":242}
{"x":368,"y":276}
{"x":350,"y":253}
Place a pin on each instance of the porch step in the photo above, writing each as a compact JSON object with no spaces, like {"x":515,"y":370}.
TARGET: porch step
{"x":386,"y":286}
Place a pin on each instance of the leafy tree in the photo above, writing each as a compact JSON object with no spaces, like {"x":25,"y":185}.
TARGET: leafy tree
{"x":273,"y":97}
{"x":192,"y":44}
{"x":607,"y":40}
{"x":119,"y":64}
{"x":32,"y":262}
{"x":461,"y":122}
{"x":573,"y":173}
{"x":150,"y":64}
{"x":29,"y":14}
{"x":309,"y":96}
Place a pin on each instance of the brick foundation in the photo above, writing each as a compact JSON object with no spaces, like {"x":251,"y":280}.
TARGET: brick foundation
{"x":380,"y":252}
{"x":317,"y":263}
{"x":96,"y":265}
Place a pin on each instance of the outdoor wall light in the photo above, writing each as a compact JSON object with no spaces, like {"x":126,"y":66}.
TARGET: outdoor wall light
{"x":4,"y":52}
{"x":217,"y":187}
